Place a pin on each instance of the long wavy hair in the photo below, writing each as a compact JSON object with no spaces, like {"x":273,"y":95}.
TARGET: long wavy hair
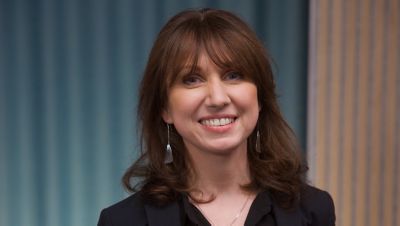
{"x":230,"y":44}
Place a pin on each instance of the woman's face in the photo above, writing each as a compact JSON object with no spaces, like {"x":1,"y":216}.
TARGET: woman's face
{"x":214,"y":110}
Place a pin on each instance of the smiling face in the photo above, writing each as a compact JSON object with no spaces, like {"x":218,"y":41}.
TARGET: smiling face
{"x":213,"y":109}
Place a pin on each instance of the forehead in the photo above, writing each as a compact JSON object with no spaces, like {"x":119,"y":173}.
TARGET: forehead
{"x":203,"y":65}
{"x":226,"y":48}
{"x":206,"y":54}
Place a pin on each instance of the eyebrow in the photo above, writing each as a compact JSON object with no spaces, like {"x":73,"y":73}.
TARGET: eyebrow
{"x":196,"y":68}
{"x":190,"y":68}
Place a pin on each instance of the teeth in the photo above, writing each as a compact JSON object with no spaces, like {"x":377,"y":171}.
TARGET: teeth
{"x":217,"y":122}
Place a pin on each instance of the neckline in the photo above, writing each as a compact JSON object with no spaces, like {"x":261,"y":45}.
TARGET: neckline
{"x":261,"y":206}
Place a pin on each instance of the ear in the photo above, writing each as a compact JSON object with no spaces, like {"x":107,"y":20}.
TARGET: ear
{"x":167,"y":117}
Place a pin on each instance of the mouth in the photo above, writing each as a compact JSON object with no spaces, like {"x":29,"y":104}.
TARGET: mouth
{"x":215,"y":122}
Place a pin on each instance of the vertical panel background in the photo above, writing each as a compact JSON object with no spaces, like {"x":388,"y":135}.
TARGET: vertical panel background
{"x":68,"y":81}
{"x":354,"y":108}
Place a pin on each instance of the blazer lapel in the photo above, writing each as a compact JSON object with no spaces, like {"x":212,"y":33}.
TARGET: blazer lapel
{"x":285,"y":217}
{"x":161,"y":216}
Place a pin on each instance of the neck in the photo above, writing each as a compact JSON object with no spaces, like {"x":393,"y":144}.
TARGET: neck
{"x":216,"y":173}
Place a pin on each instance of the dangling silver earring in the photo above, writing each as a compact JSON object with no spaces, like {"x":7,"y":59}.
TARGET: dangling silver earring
{"x":168,"y":151}
{"x":258,"y":142}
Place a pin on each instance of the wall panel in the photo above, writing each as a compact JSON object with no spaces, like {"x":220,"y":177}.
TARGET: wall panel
{"x":354,"y":108}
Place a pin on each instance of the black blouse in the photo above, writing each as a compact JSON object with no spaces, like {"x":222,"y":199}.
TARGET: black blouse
{"x":260,"y":213}
{"x":315,"y":208}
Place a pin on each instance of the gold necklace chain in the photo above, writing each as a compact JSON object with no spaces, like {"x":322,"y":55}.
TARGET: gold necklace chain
{"x":233,"y":220}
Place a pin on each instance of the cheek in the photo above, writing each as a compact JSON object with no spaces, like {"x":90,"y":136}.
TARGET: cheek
{"x":247,"y":97}
{"x":183,"y":103}
{"x":248,"y":104}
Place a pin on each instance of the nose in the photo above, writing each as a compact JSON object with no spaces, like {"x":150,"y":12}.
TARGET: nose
{"x":217,"y":94}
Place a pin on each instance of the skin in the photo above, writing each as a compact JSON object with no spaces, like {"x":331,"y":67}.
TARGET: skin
{"x":196,"y":99}
{"x":215,"y":111}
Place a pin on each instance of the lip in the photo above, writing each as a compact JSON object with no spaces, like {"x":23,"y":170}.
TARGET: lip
{"x":208,"y":117}
{"x":218,"y":128}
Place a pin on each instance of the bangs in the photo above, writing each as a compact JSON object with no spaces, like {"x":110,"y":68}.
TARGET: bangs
{"x":228,"y":49}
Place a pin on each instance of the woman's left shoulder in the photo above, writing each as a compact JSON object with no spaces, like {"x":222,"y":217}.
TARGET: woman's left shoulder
{"x":317,"y":206}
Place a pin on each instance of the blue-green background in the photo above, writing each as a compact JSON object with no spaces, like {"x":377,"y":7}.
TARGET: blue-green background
{"x":69,"y":71}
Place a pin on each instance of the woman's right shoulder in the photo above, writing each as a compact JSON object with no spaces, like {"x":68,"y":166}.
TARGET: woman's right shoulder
{"x":129,"y":211}
{"x":317,"y":206}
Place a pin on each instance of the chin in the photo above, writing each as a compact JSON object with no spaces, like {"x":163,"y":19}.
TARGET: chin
{"x":224,"y":149}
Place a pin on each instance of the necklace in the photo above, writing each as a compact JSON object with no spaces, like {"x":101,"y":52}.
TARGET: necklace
{"x":233,"y":220}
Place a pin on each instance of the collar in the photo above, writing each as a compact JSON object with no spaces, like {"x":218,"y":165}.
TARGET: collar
{"x":288,"y":217}
{"x":260,"y":207}
{"x":284,"y":217}
{"x":165,"y":215}
{"x":170,"y":214}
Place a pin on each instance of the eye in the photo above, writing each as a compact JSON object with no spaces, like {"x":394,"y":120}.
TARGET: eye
{"x":192,"y":80}
{"x":233,"y":75}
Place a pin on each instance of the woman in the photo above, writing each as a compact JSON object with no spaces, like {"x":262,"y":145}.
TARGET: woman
{"x":215,"y":147}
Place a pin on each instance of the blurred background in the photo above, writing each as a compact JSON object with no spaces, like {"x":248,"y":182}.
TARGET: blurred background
{"x":69,"y":73}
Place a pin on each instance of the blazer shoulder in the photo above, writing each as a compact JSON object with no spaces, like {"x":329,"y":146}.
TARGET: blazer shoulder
{"x":317,"y":206}
{"x":129,"y":211}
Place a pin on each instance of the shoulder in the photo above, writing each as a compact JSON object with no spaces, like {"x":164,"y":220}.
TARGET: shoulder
{"x":317,"y":206}
{"x":129,"y":211}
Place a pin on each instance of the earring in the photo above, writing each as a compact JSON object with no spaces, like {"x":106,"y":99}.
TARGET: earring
{"x":258,"y":145}
{"x":168,"y":151}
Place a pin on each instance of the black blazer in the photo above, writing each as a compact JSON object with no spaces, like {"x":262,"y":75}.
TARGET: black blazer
{"x":314,"y":209}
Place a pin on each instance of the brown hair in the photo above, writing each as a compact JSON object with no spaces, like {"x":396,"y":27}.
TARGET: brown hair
{"x":230,"y":43}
